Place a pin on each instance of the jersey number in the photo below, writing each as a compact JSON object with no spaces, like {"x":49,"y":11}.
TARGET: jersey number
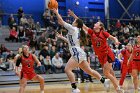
{"x":29,"y":65}
{"x":71,"y":40}
{"x":137,"y":53}
{"x":98,"y":44}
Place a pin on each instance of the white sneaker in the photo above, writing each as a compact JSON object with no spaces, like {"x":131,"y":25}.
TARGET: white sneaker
{"x":119,"y":90}
{"x":107,"y":85}
{"x":42,"y":92}
{"x":138,"y":88}
{"x":75,"y":90}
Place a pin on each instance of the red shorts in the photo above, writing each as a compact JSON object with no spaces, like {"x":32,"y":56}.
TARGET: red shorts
{"x":136,"y":65}
{"x":28,"y":76}
{"x":106,"y":57}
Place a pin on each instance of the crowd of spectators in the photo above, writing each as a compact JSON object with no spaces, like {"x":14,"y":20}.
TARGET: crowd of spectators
{"x":52,"y":52}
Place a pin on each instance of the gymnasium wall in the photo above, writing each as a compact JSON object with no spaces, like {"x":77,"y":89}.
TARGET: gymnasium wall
{"x":36,"y":7}
{"x":116,"y":10}
{"x":94,"y":7}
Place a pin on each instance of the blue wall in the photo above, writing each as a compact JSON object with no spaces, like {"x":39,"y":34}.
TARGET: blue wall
{"x":116,"y":10}
{"x":36,"y":7}
{"x":95,"y":7}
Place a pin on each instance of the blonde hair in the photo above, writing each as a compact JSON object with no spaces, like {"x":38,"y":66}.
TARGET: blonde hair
{"x":25,"y":46}
{"x":102,"y":26}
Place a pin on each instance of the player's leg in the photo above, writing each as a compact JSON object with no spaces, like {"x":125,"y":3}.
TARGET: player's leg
{"x":23,"y":83}
{"x":86,"y":67}
{"x":41,"y":80}
{"x":71,"y":64}
{"x":123,"y":75}
{"x":106,"y":70}
{"x":135,"y":79}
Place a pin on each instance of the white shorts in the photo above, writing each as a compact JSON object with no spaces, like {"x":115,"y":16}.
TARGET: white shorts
{"x":78,"y":54}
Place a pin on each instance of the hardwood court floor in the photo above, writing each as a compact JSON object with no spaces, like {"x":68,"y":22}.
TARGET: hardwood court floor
{"x":95,"y":87}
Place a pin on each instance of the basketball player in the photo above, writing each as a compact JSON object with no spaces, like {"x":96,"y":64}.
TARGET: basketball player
{"x":105,"y":55}
{"x":125,"y":54}
{"x":78,"y":58}
{"x":135,"y":58}
{"x":27,"y":73}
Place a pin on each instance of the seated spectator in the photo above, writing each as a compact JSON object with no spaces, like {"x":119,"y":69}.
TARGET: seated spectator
{"x":49,"y":43}
{"x":34,"y":51}
{"x":54,"y":43}
{"x":2,"y":65}
{"x":24,"y":22}
{"x":10,"y":60}
{"x":13,"y":35}
{"x":38,"y":27}
{"x":11,"y":21}
{"x":46,"y":17}
{"x":53,"y":52}
{"x":118,"y":25}
{"x":42,"y":41}
{"x":21,"y":34}
{"x":29,"y":33}
{"x":48,"y":65}
{"x":60,"y":49}
{"x":44,"y":52}
{"x":30,"y":21}
{"x":33,"y":42}
{"x":52,"y":35}
{"x":57,"y":63}
{"x":41,"y":68}
{"x":4,"y":51}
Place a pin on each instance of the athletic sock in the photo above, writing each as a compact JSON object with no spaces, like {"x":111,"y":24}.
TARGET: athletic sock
{"x":102,"y":79}
{"x":73,"y":85}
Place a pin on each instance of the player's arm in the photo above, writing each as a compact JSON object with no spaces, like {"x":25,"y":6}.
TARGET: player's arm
{"x":68,"y":26}
{"x":60,"y":20}
{"x":36,"y":60}
{"x":120,"y":57}
{"x":131,"y":57}
{"x":85,"y":28}
{"x":116,"y":41}
{"x":61,"y":37}
{"x":17,"y":61}
{"x":71,"y":13}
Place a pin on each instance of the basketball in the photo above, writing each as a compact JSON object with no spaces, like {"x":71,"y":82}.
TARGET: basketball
{"x":53,"y":4}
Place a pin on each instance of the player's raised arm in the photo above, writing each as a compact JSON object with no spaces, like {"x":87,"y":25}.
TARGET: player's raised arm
{"x":71,"y":13}
{"x":60,"y":19}
{"x":61,"y":37}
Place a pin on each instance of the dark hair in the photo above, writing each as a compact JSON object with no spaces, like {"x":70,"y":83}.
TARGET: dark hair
{"x":83,"y":36}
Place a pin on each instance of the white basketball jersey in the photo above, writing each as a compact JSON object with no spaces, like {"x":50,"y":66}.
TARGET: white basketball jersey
{"x":73,"y":37}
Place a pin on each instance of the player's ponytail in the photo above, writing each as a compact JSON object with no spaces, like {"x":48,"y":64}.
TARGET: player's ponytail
{"x":102,"y":26}
{"x":83,"y":36}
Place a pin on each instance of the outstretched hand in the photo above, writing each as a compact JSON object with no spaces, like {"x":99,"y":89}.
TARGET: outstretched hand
{"x":58,"y":35}
{"x":71,"y":13}
{"x":117,"y":43}
{"x":39,"y":64}
{"x":55,"y":11}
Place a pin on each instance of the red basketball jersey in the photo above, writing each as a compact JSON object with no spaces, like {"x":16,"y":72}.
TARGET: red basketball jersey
{"x":126,"y":54}
{"x":27,"y":63}
{"x":136,"y":53}
{"x":99,"y":41}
